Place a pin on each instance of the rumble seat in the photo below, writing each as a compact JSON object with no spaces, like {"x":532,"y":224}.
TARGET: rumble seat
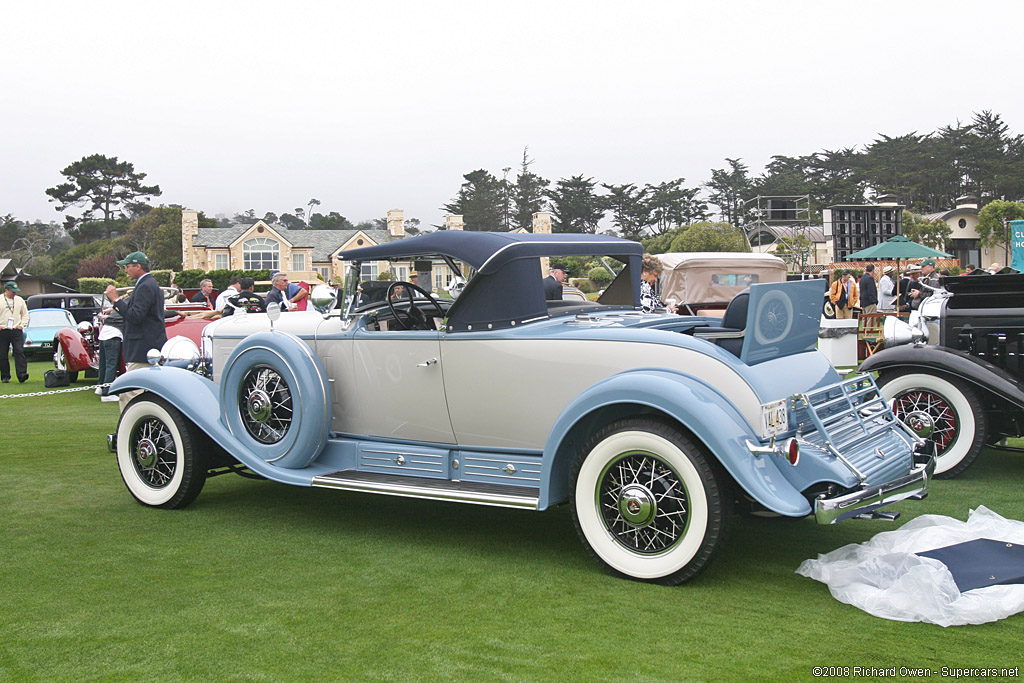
{"x":730,"y":334}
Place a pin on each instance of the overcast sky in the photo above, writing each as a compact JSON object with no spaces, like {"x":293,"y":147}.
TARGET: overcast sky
{"x":369,"y":106}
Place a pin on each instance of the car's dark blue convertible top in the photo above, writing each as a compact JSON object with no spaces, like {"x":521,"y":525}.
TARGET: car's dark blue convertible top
{"x":507,"y":289}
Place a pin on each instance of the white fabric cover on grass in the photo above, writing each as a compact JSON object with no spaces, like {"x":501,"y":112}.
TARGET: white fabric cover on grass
{"x":885,"y":578}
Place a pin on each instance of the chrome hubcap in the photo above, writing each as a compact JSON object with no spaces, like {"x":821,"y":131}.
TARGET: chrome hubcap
{"x":258,"y":404}
{"x":145,"y":453}
{"x":922,"y":423}
{"x":637,"y":505}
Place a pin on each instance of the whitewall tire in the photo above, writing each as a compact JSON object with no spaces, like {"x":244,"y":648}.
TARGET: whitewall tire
{"x":955,"y":411}
{"x":647,"y":503}
{"x":157,"y":454}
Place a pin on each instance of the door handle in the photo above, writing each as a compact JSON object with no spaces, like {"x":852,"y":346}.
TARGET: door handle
{"x":426,"y":363}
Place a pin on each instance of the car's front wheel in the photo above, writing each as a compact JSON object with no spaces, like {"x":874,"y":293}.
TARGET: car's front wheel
{"x":158,"y":454}
{"x":647,"y":503}
{"x":955,"y":412}
{"x":60,"y":360}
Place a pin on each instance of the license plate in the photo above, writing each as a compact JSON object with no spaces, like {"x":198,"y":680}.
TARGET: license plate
{"x":774,"y":418}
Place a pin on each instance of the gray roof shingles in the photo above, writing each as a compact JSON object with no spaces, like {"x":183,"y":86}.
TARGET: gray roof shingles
{"x":324,"y":242}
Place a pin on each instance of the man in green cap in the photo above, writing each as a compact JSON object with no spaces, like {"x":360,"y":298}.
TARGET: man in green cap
{"x":13,"y":320}
{"x":928,"y":277}
{"x":143,"y":314}
{"x":927,"y":268}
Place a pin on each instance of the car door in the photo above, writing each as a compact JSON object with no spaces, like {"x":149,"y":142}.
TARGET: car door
{"x":400,"y":384}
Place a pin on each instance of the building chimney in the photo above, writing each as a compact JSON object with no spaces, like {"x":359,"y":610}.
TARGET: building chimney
{"x":887,"y":200}
{"x":396,"y":223}
{"x":542,"y":223}
{"x":453,"y":222}
{"x":189,"y":229}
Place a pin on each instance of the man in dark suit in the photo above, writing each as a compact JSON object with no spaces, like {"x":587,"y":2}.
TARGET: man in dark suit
{"x":553,"y":282}
{"x":143,"y":314}
{"x":205,"y":294}
{"x":868,"y":290}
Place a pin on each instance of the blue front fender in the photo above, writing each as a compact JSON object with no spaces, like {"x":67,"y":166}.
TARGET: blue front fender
{"x":703,"y":411}
{"x":197,"y":398}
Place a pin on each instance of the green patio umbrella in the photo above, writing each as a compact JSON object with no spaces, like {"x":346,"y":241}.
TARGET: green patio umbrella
{"x":898,"y":247}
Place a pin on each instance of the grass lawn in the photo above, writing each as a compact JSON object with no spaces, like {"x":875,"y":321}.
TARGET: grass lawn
{"x":263,"y":581}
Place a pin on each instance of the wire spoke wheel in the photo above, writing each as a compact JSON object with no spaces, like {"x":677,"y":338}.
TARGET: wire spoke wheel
{"x":153,"y":452}
{"x":158,"y":453}
{"x":647,"y":502}
{"x":644,"y":503}
{"x":265,"y":404}
{"x":950,"y":409}
{"x":943,"y":416}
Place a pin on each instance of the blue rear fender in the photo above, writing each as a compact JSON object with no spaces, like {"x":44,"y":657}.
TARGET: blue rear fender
{"x":696,"y":406}
{"x":197,"y":398}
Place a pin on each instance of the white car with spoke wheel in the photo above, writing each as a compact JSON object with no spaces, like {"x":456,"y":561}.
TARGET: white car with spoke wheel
{"x":655,"y":429}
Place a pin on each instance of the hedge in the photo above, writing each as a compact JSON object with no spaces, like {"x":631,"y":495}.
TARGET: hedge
{"x":190,"y":279}
{"x":95,"y":285}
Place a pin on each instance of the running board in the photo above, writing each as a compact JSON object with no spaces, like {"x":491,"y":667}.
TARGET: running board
{"x":431,"y":489}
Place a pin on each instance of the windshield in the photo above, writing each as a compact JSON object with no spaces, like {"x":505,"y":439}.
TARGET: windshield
{"x":49,"y":319}
{"x":367,"y":283}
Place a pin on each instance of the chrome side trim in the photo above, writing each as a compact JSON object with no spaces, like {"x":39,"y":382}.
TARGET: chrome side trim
{"x":458,"y":492}
{"x":912,"y":485}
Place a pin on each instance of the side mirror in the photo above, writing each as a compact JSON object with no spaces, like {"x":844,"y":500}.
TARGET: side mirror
{"x":273,"y":311}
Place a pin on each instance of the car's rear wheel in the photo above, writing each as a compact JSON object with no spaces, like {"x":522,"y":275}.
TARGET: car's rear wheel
{"x":647,"y":503}
{"x":60,"y":360}
{"x":955,"y":412}
{"x":158,"y":454}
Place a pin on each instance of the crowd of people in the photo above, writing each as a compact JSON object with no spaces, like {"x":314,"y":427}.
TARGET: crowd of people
{"x":885,"y":294}
{"x":134,"y":325}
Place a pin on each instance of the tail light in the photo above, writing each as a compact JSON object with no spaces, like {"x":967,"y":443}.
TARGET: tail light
{"x":792,"y":451}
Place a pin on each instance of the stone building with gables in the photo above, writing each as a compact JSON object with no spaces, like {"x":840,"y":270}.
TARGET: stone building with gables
{"x":274,"y":247}
{"x":304,"y":254}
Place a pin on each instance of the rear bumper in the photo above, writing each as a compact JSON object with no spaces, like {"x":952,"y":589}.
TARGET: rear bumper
{"x":911,"y":485}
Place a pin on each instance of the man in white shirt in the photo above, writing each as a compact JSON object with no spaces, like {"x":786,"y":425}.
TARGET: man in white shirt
{"x":887,"y":290}
{"x":110,"y":338}
{"x":231,"y":290}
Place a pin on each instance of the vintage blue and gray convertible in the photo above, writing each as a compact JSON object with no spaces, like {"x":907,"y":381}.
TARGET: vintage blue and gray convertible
{"x":651,"y":427}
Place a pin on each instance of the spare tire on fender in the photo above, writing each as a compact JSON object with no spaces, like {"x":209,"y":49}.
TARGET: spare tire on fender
{"x":276,"y":400}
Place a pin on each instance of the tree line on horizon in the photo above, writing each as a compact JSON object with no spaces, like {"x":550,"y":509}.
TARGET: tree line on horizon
{"x":927,"y":172}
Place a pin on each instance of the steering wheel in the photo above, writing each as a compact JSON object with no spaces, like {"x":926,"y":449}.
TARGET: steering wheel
{"x":413,"y":318}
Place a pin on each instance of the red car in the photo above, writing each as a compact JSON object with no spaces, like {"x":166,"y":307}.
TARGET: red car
{"x":78,"y":350}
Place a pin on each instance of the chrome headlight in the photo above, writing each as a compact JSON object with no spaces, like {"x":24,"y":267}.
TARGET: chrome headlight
{"x":896,"y":332}
{"x":180,"y":349}
{"x":323,"y":298}
{"x":85,"y":327}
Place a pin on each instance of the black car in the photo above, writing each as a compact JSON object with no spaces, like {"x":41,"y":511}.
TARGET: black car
{"x":84,"y":307}
{"x":957,"y":368}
